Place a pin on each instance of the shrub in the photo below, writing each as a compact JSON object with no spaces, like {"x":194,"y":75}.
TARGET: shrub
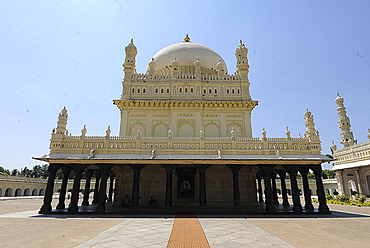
{"x":329,"y":197}
{"x":362,"y":199}
{"x":353,"y":192}
{"x":344,"y":198}
{"x":315,"y":200}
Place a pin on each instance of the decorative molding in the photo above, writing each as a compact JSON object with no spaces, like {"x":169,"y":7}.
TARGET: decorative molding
{"x":133,"y":104}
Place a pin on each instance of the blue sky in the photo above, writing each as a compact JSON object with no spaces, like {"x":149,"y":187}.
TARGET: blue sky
{"x":70,"y":53}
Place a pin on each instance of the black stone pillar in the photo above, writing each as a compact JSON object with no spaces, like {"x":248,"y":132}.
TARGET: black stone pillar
{"x":292,"y":170}
{"x":202,"y":184}
{"x":62,"y":196}
{"x":96,"y":189}
{"x":267,"y":170}
{"x":111,"y":179}
{"x":260,"y":192}
{"x":104,"y":170}
{"x":78,"y":169}
{"x":46,"y":206}
{"x":306,"y":189}
{"x":323,"y":208}
{"x":88,"y":173}
{"x":169,"y":170}
{"x":274,"y":190}
{"x":236,"y":193}
{"x":135,"y":187}
{"x":283,"y":188}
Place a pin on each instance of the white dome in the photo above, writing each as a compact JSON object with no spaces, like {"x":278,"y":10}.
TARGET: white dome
{"x":186,"y":54}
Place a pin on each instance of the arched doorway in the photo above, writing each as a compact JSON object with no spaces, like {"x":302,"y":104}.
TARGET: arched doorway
{"x":8,"y":192}
{"x":352,"y":186}
{"x":26,"y":192}
{"x":18,"y":192}
{"x":41,"y":192}
{"x":34,"y":192}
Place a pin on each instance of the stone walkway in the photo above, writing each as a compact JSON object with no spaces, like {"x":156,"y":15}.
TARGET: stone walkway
{"x":187,"y":230}
{"x":23,"y":227}
{"x":155,"y":232}
{"x":134,"y":232}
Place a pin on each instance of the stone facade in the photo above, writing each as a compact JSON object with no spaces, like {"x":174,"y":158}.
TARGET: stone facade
{"x":20,"y":186}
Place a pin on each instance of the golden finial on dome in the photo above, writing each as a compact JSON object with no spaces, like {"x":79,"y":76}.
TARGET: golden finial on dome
{"x":187,"y":39}
{"x":132,"y":40}
{"x":241,"y":42}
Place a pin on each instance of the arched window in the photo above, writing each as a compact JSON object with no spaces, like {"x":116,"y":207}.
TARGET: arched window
{"x":156,"y":90}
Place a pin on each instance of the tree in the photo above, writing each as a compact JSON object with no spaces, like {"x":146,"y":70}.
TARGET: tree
{"x":311,"y":175}
{"x":36,"y":171}
{"x":59,"y":174}
{"x":15,"y":172}
{"x":45,"y":171}
{"x":328,"y":174}
{"x":25,"y":172}
{"x":4,"y":172}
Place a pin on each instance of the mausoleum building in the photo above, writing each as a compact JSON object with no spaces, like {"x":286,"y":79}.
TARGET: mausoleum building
{"x":186,"y":141}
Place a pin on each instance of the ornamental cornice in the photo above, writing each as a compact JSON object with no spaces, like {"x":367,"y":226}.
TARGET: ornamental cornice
{"x":131,"y":104}
{"x":352,"y":154}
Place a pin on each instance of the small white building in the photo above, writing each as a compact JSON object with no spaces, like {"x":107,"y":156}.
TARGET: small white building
{"x":352,"y":164}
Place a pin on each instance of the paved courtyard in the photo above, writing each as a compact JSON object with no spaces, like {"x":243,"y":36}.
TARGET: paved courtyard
{"x":22,"y":226}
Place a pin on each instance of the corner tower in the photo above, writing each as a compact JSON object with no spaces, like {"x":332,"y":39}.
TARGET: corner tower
{"x":344,"y":123}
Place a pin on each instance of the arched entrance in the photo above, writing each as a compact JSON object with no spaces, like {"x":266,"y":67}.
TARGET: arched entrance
{"x":18,"y":192}
{"x":26,"y":192}
{"x":34,"y":192}
{"x":8,"y":192}
{"x":352,"y":186}
{"x":41,"y":192}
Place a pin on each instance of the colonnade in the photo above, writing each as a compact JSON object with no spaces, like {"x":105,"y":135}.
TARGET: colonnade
{"x":269,"y":172}
{"x":266,"y":172}
{"x":101,"y":174}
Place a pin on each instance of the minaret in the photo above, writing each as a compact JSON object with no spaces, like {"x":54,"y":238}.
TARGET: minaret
{"x":220,"y":68}
{"x":198,"y":70}
{"x":62,"y":122}
{"x":152,"y":66}
{"x":242,"y":61}
{"x":243,"y":69}
{"x":175,"y":64}
{"x":344,"y":123}
{"x":311,"y":133}
{"x":129,"y":65}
